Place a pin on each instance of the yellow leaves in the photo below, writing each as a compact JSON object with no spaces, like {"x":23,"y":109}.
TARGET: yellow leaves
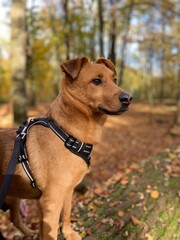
{"x":154,"y":194}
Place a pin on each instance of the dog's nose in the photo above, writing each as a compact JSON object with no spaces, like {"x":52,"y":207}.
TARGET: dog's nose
{"x":125,"y":98}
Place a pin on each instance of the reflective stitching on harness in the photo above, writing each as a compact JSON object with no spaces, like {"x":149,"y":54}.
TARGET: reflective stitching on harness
{"x":88,"y":146}
{"x":86,"y":151}
{"x":27,"y":172}
{"x":80,"y":147}
{"x":57,"y":133}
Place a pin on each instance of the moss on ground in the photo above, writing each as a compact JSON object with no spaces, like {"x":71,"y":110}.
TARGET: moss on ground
{"x":146,"y":207}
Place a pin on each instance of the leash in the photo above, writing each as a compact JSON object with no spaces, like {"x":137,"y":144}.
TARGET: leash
{"x":19,"y":154}
{"x":10,"y":171}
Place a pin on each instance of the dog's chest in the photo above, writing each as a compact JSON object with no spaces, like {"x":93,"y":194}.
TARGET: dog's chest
{"x":52,"y":163}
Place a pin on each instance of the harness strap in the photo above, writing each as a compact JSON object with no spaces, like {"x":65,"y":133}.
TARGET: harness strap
{"x":80,"y":149}
{"x":23,"y":158}
{"x":10,"y":171}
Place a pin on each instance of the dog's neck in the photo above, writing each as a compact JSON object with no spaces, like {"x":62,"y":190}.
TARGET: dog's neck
{"x":77,"y":120}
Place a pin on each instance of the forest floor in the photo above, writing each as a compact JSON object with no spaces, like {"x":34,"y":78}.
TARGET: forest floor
{"x":127,"y":141}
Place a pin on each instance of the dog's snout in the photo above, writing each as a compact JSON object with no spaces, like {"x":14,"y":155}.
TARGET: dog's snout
{"x":125,"y":98}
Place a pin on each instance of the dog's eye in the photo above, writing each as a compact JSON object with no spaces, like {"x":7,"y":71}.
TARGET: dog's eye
{"x":97,"y":81}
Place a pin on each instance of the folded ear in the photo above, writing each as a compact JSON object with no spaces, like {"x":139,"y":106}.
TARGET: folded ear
{"x":72,"y":67}
{"x":107,"y":63}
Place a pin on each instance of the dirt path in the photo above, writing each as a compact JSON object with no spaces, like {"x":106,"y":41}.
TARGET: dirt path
{"x":140,"y":133}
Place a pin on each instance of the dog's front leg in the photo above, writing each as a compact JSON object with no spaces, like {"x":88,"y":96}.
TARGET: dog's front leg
{"x":50,"y":204}
{"x":68,"y":232}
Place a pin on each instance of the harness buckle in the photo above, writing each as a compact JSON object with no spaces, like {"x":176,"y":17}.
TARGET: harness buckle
{"x":69,"y":142}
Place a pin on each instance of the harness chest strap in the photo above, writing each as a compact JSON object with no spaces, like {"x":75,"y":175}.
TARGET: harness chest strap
{"x":80,"y":149}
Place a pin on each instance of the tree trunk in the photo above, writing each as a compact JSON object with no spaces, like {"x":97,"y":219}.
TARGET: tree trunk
{"x":124,"y":43}
{"x":93,"y":31}
{"x":141,"y":205}
{"x":67,"y":27}
{"x":19,"y":58}
{"x":101,"y":28}
{"x":112,"y":39}
{"x":29,"y":62}
{"x":163,"y":69}
{"x":149,"y":78}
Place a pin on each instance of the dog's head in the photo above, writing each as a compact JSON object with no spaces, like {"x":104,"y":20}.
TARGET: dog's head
{"x":94,"y":84}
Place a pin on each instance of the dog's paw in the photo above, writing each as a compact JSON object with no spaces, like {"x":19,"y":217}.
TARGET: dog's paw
{"x":72,"y":236}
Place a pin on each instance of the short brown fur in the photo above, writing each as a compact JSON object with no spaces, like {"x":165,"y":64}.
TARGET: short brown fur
{"x":57,"y":171}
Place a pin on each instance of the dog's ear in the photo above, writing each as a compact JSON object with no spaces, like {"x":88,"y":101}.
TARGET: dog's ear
{"x":107,"y":63}
{"x":72,"y":67}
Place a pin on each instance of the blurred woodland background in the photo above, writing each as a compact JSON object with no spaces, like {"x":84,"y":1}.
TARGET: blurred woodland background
{"x":140,"y":36}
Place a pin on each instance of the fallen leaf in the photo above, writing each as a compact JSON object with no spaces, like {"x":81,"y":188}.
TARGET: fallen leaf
{"x":135,"y":221}
{"x":98,"y":191}
{"x":113,"y":204}
{"x":124,"y":181}
{"x":172,"y":156}
{"x":111,"y":222}
{"x":149,"y":237}
{"x":120,"y":213}
{"x":141,"y":195}
{"x":128,"y":170}
{"x":89,"y":232}
{"x":132,"y":194}
{"x":118,"y":176}
{"x":154,"y":194}
{"x":74,"y":219}
{"x":126,"y":234}
{"x":117,"y":223}
{"x":98,"y":224}
{"x":148,"y":188}
{"x":134,"y":166}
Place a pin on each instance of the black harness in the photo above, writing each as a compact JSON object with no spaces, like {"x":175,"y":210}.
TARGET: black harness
{"x":19,"y":155}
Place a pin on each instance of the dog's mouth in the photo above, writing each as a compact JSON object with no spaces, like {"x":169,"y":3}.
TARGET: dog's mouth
{"x":105,"y":111}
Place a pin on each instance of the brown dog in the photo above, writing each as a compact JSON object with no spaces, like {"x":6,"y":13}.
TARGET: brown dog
{"x":88,"y":94}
